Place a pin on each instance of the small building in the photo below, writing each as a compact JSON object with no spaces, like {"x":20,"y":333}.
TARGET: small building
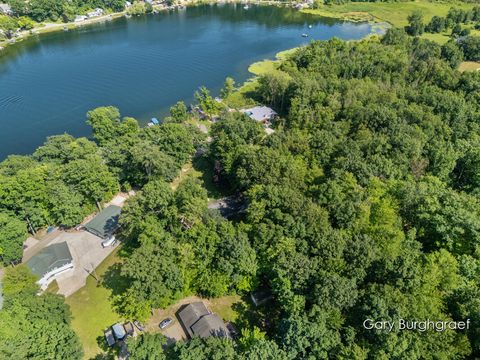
{"x":105,"y":223}
{"x":109,"y":337}
{"x":263,"y":114}
{"x":129,"y":329}
{"x":80,"y":18}
{"x":198,"y":321}
{"x":6,"y":9}
{"x":95,"y":13}
{"x":119,"y":331}
{"x":50,"y":262}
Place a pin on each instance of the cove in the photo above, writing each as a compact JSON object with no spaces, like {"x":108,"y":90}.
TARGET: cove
{"x":141,"y":65}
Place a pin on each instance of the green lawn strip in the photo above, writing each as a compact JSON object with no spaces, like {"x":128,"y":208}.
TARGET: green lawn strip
{"x":394,"y":13}
{"x":469,"y":66}
{"x":242,"y":97}
{"x":228,"y":307}
{"x":440,"y":38}
{"x":92,"y":308}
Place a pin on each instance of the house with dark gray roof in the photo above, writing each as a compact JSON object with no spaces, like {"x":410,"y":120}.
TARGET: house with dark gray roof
{"x":50,"y":262}
{"x":105,"y":223}
{"x":198,"y":321}
{"x":210,"y":325}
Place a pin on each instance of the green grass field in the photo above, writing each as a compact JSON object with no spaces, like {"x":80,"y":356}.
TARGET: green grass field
{"x":92,"y":308}
{"x":394,"y":13}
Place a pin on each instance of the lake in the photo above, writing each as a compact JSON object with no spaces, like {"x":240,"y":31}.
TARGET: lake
{"x":141,"y":65}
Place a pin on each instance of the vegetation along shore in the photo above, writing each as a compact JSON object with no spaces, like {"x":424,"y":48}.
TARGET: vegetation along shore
{"x":352,"y":194}
{"x":19,"y":21}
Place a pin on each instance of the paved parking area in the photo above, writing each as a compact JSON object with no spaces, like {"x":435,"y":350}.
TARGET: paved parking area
{"x":87,"y":253}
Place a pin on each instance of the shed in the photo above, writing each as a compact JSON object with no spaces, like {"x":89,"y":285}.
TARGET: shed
{"x":109,"y":337}
{"x":210,"y":325}
{"x":128,"y":326}
{"x":51,"y":261}
{"x":105,"y":223}
{"x":191,"y":314}
{"x":119,"y":331}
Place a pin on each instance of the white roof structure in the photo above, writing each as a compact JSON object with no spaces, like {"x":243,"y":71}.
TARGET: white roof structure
{"x":260,"y":113}
{"x":5,"y":9}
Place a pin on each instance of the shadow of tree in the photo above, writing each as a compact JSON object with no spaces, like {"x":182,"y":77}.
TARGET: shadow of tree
{"x":249,"y":315}
{"x":205,"y":165}
{"x":114,"y":280}
{"x":108,"y":352}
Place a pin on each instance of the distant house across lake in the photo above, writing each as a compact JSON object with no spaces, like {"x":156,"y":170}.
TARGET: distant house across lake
{"x":5,"y":9}
{"x":95,"y":13}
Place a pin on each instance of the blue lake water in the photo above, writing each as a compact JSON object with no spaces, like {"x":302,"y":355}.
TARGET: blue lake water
{"x":141,"y":65}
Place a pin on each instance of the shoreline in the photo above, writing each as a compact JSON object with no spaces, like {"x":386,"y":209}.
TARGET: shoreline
{"x":46,"y":28}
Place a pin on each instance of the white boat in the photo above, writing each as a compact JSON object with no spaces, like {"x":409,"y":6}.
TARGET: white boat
{"x":304,"y":35}
{"x":310,"y":26}
{"x":246,"y":7}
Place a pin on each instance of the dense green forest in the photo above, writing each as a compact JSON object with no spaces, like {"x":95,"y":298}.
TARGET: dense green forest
{"x":34,"y":327}
{"x":363,"y":204}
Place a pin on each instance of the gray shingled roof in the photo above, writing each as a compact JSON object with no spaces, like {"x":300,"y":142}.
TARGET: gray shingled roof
{"x":106,"y":222}
{"x":210,"y":325}
{"x":260,"y":113}
{"x":50,"y":258}
{"x":191,"y":314}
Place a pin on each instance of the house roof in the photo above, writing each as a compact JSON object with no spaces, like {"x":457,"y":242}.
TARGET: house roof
{"x":109,"y":337}
{"x":191,"y":314}
{"x":50,"y":258}
{"x":210,"y":325}
{"x":5,"y":8}
{"x":260,"y":113}
{"x":119,"y":331}
{"x":106,"y":222}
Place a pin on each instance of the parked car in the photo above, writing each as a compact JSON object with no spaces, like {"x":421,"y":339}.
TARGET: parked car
{"x":165,"y":323}
{"x":109,"y":242}
{"x":139,"y":325}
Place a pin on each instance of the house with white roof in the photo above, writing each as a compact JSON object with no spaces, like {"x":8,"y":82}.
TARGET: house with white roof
{"x":263,"y":114}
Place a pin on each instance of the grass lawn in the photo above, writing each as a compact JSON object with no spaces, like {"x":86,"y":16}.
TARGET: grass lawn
{"x":92,"y":308}
{"x":469,"y":66}
{"x":440,"y":38}
{"x":394,"y":13}
{"x":242,"y":97}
